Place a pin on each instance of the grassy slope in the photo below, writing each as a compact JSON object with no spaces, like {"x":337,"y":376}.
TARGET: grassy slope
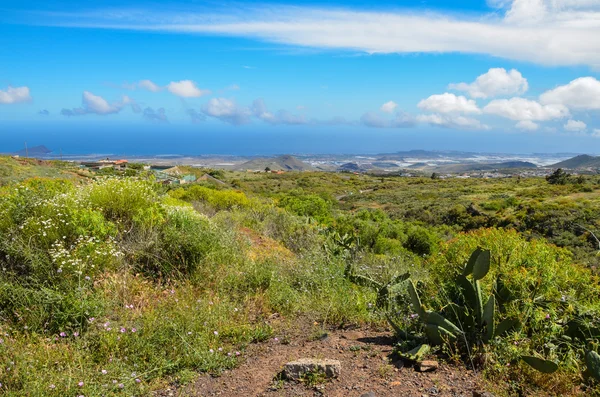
{"x":188,"y":293}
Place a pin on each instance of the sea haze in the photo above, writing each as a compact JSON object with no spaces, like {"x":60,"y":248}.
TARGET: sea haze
{"x":122,"y":139}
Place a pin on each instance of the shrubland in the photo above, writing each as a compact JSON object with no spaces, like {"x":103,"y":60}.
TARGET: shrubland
{"x":118,"y":285}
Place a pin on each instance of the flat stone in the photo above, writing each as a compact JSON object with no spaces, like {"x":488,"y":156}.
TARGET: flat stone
{"x":296,"y":369}
{"x":427,"y":366}
{"x":482,"y":394}
{"x":369,"y":394}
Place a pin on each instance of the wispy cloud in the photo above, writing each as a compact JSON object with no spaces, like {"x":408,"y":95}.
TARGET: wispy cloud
{"x":544,"y":32}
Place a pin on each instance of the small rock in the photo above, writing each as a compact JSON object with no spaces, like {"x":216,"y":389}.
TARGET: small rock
{"x":369,"y":394}
{"x":482,"y":394}
{"x":427,"y":366}
{"x":296,"y":369}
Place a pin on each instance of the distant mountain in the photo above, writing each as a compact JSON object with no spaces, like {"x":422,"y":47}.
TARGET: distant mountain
{"x":350,"y":167}
{"x":35,"y":151}
{"x":384,"y":164}
{"x":582,"y":161}
{"x":486,"y":166}
{"x":283,"y":163}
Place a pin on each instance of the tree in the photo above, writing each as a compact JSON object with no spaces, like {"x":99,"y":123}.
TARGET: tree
{"x":435,"y":176}
{"x":558,"y":177}
{"x":267,"y":169}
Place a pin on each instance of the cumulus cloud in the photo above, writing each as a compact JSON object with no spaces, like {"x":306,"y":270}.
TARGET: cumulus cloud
{"x":575,"y":126}
{"x":520,"y":109}
{"x":496,"y":82}
{"x":448,"y":103}
{"x":400,"y":120}
{"x":452,"y":121}
{"x":195,"y":116}
{"x":158,"y":116}
{"x":596,"y":132}
{"x":227,"y":110}
{"x":186,"y":89}
{"x":527,"y":125}
{"x":388,"y":107}
{"x":44,"y":112}
{"x":14,"y":95}
{"x":95,"y":104}
{"x":582,"y":93}
{"x":549,"y":32}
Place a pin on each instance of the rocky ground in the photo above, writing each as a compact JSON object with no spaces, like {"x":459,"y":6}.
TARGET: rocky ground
{"x":367,"y":369}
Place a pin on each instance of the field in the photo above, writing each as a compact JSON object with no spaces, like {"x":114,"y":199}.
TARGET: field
{"x":118,"y":285}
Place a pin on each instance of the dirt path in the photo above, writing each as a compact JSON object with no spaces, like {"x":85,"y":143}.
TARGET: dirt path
{"x":366,"y":371}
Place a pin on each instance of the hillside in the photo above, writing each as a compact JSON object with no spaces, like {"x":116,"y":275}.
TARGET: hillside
{"x":18,"y":169}
{"x":283,"y":163}
{"x":581,"y":161}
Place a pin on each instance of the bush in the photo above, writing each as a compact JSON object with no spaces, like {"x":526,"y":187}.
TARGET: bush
{"x":219,"y":199}
{"x":421,"y":241}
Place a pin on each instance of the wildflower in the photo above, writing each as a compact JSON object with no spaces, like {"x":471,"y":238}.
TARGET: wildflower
{"x":220,"y":349}
{"x":121,"y":385}
{"x":237,"y":353}
{"x":114,"y":381}
{"x":59,"y":270}
{"x":563,"y":298}
{"x":62,"y":334}
{"x":123,"y":330}
{"x":133,"y":329}
{"x":276,"y":339}
{"x":216,"y":333}
{"x":80,"y":384}
{"x":76,"y":334}
{"x":137,"y":381}
{"x":87,"y":278}
{"x":52,"y":386}
{"x":189,"y":333}
{"x":229,"y":354}
{"x":91,"y":319}
{"x":104,"y":372}
{"x":1,"y":340}
{"x":211,"y":350}
{"x":547,"y":316}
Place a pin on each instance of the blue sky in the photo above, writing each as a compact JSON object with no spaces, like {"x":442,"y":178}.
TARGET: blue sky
{"x":509,"y":75}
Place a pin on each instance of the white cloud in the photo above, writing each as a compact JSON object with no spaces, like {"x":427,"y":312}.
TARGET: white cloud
{"x":95,"y":104}
{"x":527,"y":125}
{"x":186,"y":89}
{"x":400,"y":120}
{"x":149,"y":85}
{"x":14,"y":95}
{"x":259,"y":110}
{"x":496,"y":82}
{"x":227,"y":110}
{"x":448,"y":103}
{"x":451,"y":121}
{"x":581,"y":93}
{"x":596,"y":132}
{"x":520,"y":109}
{"x":388,"y":107}
{"x":575,"y":126}
{"x":549,"y":32}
